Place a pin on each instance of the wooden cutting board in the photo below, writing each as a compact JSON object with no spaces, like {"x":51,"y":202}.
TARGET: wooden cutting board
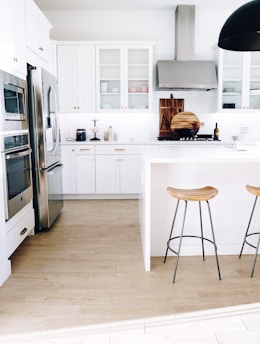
{"x":185,"y":120}
{"x":168,"y":109}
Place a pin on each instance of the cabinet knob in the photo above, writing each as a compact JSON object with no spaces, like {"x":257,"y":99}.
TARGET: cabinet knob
{"x":41,"y":48}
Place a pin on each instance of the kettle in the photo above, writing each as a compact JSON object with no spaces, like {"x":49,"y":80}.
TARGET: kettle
{"x":81,"y":135}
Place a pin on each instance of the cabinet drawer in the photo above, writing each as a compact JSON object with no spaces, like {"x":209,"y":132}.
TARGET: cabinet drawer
{"x":118,"y":149}
{"x":19,"y":232}
{"x":84,"y":149}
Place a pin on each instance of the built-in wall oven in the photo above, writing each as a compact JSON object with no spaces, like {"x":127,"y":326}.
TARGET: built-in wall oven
{"x":17,"y":171}
{"x":15,"y":144}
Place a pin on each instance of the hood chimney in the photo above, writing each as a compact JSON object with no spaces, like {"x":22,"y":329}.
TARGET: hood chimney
{"x":184,"y":32}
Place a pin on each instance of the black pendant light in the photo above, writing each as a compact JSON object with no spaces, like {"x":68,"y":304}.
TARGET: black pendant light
{"x":241,"y":31}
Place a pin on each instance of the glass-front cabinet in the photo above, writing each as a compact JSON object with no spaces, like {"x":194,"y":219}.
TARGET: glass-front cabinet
{"x":124,"y":78}
{"x":239,"y":80}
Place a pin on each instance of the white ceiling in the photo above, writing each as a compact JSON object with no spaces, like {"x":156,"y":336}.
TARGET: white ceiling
{"x":113,"y":5}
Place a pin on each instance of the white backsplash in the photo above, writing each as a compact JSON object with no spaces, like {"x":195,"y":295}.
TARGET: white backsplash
{"x":145,"y":126}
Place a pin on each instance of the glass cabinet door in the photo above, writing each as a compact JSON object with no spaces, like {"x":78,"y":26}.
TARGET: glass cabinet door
{"x":109,"y":78}
{"x":138,"y":78}
{"x":124,"y":78}
{"x":239,"y":78}
{"x":232,"y":85}
{"x":254,"y":90}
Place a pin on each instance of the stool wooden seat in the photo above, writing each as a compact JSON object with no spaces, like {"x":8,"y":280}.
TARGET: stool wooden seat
{"x":255,"y":190}
{"x":202,"y":194}
{"x":195,"y":195}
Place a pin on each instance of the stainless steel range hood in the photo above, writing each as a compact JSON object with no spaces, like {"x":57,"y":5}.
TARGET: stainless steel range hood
{"x":184,"y":72}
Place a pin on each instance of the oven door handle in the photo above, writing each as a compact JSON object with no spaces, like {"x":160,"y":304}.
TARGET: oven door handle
{"x":18,"y":155}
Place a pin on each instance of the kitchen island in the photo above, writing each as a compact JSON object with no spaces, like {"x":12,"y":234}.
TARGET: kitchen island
{"x":227,"y":167}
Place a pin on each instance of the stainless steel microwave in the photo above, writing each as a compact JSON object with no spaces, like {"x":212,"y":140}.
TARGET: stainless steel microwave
{"x":13,"y":98}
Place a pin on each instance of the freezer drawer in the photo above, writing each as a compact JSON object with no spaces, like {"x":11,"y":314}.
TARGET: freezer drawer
{"x":51,"y":197}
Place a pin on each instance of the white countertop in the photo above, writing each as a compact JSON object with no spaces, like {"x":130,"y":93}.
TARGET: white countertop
{"x":149,"y":142}
{"x":202,"y":153}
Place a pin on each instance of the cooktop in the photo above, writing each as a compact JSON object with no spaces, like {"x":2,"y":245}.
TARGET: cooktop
{"x":200,"y":137}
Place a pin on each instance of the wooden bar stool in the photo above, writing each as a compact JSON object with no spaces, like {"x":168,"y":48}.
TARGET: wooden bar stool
{"x":194,"y":195}
{"x":255,"y":191}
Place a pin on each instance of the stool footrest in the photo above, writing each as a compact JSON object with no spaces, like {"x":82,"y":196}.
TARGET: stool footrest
{"x":188,"y":236}
{"x":249,"y":243}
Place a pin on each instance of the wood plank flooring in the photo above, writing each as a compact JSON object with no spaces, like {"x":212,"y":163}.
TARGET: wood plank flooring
{"x":88,"y":269}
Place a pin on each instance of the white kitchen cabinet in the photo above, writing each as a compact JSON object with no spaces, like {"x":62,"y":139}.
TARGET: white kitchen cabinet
{"x":124,"y":78}
{"x":76,"y":77}
{"x":101,"y":169}
{"x":12,"y":37}
{"x":68,"y":158}
{"x":37,"y":35}
{"x":118,"y":169}
{"x":19,"y":228}
{"x":85,"y":167}
{"x":239,"y":81}
{"x":78,"y":175}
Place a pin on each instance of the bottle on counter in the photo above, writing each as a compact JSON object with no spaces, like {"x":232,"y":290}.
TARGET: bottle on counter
{"x":110,"y":133}
{"x":216,"y":132}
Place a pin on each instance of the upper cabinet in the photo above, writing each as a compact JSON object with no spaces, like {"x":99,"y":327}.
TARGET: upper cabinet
{"x":76,"y":76}
{"x":12,"y":37}
{"x":37,"y":35}
{"x":239,"y":80}
{"x":124,"y":78}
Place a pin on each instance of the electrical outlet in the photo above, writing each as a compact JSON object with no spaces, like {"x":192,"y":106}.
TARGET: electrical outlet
{"x":244,"y":130}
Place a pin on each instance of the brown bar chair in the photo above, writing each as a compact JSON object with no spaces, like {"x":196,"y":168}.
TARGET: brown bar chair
{"x":255,"y":191}
{"x":194,"y":195}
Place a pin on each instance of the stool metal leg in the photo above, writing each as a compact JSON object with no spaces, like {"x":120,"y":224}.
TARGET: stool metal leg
{"x":256,"y":252}
{"x":214,"y":241}
{"x":179,"y":248}
{"x":248,"y":226}
{"x":201,"y":229}
{"x":173,"y":222}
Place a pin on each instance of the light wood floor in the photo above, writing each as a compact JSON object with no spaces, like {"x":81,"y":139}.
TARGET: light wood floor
{"x":88,"y":269}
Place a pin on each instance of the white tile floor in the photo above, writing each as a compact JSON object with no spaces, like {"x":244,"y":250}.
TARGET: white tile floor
{"x":236,"y":325}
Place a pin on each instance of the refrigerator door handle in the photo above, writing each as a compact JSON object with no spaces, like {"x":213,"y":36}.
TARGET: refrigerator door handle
{"x":55,"y":113}
{"x":52,"y":168}
{"x":52,"y":171}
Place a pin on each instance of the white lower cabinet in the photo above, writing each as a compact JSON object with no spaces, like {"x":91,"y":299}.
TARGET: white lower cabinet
{"x":85,"y":170}
{"x":78,"y":175}
{"x":118,"y":169}
{"x":19,"y":227}
{"x":69,"y":181}
{"x":102,"y":169}
{"x":116,"y":174}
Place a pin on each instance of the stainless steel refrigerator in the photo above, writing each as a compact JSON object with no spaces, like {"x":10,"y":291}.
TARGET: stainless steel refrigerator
{"x":45,"y":142}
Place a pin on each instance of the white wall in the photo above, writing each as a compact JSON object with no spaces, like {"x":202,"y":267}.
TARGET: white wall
{"x":155,"y":26}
